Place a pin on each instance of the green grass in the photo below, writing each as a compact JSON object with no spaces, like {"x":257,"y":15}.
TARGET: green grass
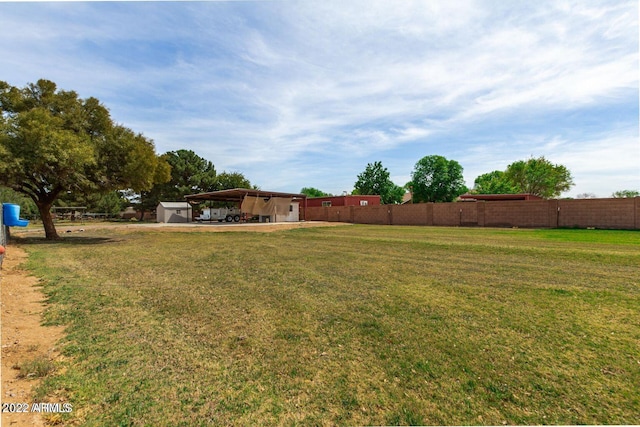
{"x":354,"y":325}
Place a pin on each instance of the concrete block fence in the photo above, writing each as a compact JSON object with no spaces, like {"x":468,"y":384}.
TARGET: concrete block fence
{"x":579,"y":213}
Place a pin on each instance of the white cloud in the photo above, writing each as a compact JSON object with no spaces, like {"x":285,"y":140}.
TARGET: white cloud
{"x":290,"y":83}
{"x":600,"y":164}
{"x":603,"y":164}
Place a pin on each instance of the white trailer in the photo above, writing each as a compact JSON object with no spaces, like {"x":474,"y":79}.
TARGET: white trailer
{"x":220,"y":214}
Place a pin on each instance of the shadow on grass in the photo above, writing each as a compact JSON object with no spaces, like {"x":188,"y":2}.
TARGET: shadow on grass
{"x":63,"y":240}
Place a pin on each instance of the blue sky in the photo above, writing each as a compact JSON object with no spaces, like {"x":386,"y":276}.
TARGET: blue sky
{"x":305,"y":93}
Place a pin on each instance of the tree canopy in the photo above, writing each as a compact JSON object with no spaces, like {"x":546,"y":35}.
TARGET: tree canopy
{"x":437,"y":179}
{"x":539,"y":176}
{"x":536,"y":176}
{"x":51,"y":141}
{"x":313,"y":192}
{"x":494,"y":183}
{"x":190,"y":174}
{"x":229,"y":180}
{"x":626,"y":193}
{"x":375,"y":180}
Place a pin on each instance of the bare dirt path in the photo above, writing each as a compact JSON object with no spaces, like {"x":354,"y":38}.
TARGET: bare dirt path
{"x":23,"y":337}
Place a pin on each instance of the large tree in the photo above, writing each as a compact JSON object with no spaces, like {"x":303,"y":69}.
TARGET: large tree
{"x":51,"y":141}
{"x":436,"y":179}
{"x":375,"y":180}
{"x":539,"y":176}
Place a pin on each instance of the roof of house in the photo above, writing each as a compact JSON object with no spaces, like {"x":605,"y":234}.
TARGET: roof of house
{"x":501,"y":197}
{"x":174,"y":205}
{"x":346,"y":196}
{"x":237,"y":194}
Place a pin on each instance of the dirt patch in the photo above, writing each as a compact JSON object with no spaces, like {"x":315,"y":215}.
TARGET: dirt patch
{"x":24,"y":339}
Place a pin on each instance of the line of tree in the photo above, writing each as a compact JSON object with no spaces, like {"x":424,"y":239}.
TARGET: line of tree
{"x":437,"y":179}
{"x":434,"y":179}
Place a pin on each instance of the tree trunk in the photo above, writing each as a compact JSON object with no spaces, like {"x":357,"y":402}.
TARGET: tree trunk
{"x":47,"y":221}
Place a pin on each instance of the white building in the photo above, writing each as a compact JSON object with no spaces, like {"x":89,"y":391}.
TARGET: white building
{"x":173,"y":212}
{"x":294,"y":213}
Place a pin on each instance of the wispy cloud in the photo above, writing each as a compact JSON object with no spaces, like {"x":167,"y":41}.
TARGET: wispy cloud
{"x":306,"y":93}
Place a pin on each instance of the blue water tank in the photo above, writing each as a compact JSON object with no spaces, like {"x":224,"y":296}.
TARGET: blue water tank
{"x":11,"y":215}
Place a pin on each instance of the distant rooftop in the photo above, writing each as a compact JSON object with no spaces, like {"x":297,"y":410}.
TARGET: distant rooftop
{"x":498,"y":197}
{"x":174,"y":205}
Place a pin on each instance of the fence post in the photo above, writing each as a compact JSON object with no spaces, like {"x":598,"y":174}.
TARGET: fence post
{"x":429,"y":213}
{"x":480,"y":212}
{"x":554,"y":213}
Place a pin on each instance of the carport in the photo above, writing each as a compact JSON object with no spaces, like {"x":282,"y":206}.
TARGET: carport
{"x":255,"y":202}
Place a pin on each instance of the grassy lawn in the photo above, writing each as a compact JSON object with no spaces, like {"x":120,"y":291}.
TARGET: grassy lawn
{"x":354,"y":325}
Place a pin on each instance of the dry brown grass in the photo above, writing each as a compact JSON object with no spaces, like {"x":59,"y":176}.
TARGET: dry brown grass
{"x":359,"y":325}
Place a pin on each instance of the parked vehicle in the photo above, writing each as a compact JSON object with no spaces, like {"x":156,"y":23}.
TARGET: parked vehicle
{"x":219,"y":214}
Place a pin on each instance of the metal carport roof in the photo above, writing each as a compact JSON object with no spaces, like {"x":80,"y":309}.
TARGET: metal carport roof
{"x":237,"y":194}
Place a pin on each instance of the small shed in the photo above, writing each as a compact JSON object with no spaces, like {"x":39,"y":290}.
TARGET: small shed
{"x":294,"y":212}
{"x":173,"y":212}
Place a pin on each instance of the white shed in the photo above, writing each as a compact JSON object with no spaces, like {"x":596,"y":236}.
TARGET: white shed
{"x":294,"y":212}
{"x":173,"y":212}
